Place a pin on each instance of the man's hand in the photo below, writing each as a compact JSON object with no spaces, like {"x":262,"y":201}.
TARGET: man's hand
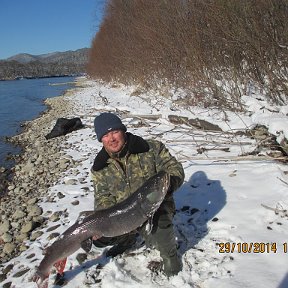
{"x":174,"y":184}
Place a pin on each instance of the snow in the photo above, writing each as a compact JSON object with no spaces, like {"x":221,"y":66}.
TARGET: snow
{"x":228,"y":235}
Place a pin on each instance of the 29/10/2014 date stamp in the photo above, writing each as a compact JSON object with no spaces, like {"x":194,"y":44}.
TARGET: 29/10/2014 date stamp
{"x":253,"y":247}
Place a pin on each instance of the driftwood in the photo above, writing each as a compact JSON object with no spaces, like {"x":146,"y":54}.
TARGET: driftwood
{"x":197,"y":123}
{"x":232,"y":158}
{"x":147,"y":116}
{"x":207,"y":141}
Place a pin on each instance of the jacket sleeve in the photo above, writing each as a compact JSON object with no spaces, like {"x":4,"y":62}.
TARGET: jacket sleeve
{"x":166,"y":162}
{"x":102,"y":197}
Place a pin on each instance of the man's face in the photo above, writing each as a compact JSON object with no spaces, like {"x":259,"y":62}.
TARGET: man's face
{"x":113,"y":141}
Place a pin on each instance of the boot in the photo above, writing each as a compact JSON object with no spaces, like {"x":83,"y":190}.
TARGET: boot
{"x":163,"y":239}
{"x":172,"y":265}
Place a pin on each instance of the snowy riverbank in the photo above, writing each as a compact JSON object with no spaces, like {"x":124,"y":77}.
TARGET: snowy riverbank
{"x":227,"y":238}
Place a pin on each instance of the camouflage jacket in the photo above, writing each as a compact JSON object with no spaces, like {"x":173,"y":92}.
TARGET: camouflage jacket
{"x":115,"y":179}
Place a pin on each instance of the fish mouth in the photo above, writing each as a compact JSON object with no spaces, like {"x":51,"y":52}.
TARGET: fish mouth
{"x":39,"y":277}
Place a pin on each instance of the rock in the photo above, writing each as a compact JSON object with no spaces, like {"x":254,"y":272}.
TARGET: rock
{"x":52,"y":164}
{"x":21,"y":273}
{"x":15,"y":225}
{"x":5,"y":226}
{"x":75,"y":202}
{"x":55,"y":217}
{"x":23,"y":247}
{"x":284,"y":146}
{"x":22,"y":237}
{"x":39,"y":220}
{"x":71,"y":182}
{"x":53,"y":235}
{"x":9,"y":248}
{"x":7,"y":269}
{"x":36,"y":235}
{"x":60,"y":195}
{"x":11,"y":187}
{"x":81,"y":257}
{"x":7,"y":238}
{"x":31,"y":256}
{"x":28,"y":227}
{"x":53,"y":228}
{"x":2,"y":277}
{"x":32,"y":201}
{"x":28,"y":167}
{"x":18,"y":215}
{"x":34,"y":210}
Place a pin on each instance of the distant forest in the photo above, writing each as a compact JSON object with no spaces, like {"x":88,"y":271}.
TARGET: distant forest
{"x":47,"y":65}
{"x":215,"y":51}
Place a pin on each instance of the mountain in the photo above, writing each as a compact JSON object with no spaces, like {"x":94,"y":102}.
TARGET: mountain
{"x":45,"y":65}
{"x":22,"y":58}
{"x":78,"y":56}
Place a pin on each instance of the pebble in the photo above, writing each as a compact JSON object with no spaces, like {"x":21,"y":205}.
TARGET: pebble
{"x":28,"y":227}
{"x":18,"y":215}
{"x":75,"y":202}
{"x":7,"y":238}
{"x":71,"y":181}
{"x":36,"y":235}
{"x":22,"y":237}
{"x":34,"y":210}
{"x":5,"y":226}
{"x":9,"y":248}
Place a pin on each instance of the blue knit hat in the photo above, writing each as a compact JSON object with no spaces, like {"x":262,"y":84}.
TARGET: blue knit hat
{"x":107,"y":122}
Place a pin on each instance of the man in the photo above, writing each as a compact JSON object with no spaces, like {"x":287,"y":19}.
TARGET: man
{"x":125,"y":162}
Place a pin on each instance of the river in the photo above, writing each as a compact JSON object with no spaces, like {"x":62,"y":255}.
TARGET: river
{"x":23,"y":100}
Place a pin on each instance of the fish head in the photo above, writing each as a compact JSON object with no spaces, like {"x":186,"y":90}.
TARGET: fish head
{"x":154,"y":192}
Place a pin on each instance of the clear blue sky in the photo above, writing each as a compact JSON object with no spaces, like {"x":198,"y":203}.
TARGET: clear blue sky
{"x":43,"y":26}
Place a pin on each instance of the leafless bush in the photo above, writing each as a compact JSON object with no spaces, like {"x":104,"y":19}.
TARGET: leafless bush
{"x":212,"y":49}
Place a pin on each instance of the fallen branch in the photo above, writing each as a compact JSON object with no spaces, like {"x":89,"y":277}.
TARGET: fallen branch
{"x":276,"y":210}
{"x":283,"y":181}
{"x":203,"y":149}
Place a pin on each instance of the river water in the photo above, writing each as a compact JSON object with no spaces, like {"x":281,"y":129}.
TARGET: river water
{"x":22,"y":100}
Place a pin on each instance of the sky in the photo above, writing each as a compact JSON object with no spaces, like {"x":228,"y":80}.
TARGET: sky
{"x":44,"y":26}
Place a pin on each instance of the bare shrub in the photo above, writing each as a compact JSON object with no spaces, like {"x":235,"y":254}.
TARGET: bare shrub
{"x":211,"y":49}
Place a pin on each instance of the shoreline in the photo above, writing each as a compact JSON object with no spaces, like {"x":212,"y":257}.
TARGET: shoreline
{"x":35,"y":171}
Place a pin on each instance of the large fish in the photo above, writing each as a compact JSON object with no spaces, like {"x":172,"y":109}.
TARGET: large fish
{"x":119,"y":219}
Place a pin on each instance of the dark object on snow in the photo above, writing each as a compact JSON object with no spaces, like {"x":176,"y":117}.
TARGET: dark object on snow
{"x":64,"y":126}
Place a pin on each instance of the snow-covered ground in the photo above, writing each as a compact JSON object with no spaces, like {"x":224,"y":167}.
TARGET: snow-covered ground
{"x":228,"y":235}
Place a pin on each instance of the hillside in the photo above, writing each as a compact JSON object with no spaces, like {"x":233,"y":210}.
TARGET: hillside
{"x":46,"y":65}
